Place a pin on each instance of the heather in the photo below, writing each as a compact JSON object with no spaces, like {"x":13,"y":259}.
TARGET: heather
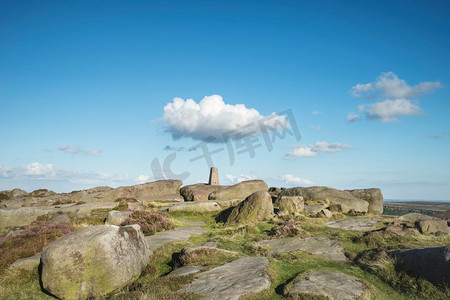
{"x":150,"y":221}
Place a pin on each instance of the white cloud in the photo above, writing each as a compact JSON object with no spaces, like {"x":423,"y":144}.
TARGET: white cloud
{"x":239,"y":178}
{"x":352,"y":117}
{"x":315,"y":149}
{"x":389,"y":110}
{"x":39,"y":169}
{"x":142,"y":178}
{"x":212,"y":117}
{"x":393,"y":96}
{"x":316,"y":112}
{"x":66,"y":148}
{"x":173,"y":148}
{"x":289,"y":179}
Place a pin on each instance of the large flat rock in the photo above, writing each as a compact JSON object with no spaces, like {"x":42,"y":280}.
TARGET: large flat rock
{"x":322,"y":247}
{"x":232,"y":280}
{"x":162,"y":238}
{"x":331,"y":284}
{"x":360,"y":224}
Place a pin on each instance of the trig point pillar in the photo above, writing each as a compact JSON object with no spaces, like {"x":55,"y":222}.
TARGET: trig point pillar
{"x":214,"y":176}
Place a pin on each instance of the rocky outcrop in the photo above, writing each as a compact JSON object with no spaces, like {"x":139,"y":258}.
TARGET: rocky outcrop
{"x":199,"y":191}
{"x":116,"y":217}
{"x":256,"y":207}
{"x":321,"y":247}
{"x":290,"y":204}
{"x":21,"y":216}
{"x":28,"y":263}
{"x":196,"y":207}
{"x":433,"y":227}
{"x":229,"y":282}
{"x":162,"y":238}
{"x":316,"y":195}
{"x":12,"y":194}
{"x":330,"y":284}
{"x":373,"y":196}
{"x":359,"y":224}
{"x":161,"y":198}
{"x":432,"y":264}
{"x":239,"y":190}
{"x":94,"y":261}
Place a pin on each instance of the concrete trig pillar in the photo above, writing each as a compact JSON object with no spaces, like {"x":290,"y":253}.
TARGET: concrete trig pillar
{"x":213,"y":176}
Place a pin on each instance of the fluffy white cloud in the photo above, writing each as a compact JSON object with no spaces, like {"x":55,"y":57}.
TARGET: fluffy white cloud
{"x":239,"y":178}
{"x":212,"y":118}
{"x":393,"y":96}
{"x":352,"y":117}
{"x":315,"y":149}
{"x":142,"y":178}
{"x":289,"y":179}
{"x":39,"y":169}
{"x":66,"y":148}
{"x":389,"y":110}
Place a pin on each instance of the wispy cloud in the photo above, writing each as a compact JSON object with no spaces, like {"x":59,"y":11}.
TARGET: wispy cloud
{"x":316,"y":112}
{"x":66,"y":148}
{"x":291,"y":179}
{"x":142,"y":178}
{"x":173,"y":148}
{"x":393,"y":96}
{"x":239,"y":178}
{"x":315,"y":149}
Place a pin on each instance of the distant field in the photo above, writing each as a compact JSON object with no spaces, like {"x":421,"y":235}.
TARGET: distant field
{"x":439,"y":209}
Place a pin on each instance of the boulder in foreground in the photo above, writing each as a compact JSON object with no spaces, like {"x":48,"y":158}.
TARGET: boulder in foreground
{"x":94,"y":261}
{"x":256,"y":207}
{"x":373,"y":196}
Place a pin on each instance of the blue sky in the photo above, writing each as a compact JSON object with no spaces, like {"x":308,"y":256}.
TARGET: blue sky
{"x":87,"y":92}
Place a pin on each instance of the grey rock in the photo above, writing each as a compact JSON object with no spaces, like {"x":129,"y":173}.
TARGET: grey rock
{"x":321,"y":247}
{"x":414,"y":217}
{"x":117,"y":217}
{"x":373,"y":196}
{"x":203,"y":206}
{"x":94,"y":261}
{"x":290,"y":204}
{"x":186,"y":270}
{"x":331,"y":284}
{"x":433,"y":226}
{"x":256,"y":207}
{"x":161,"y":198}
{"x":239,"y":190}
{"x":232,"y":280}
{"x":432,"y":264}
{"x":28,"y":263}
{"x":199,"y":191}
{"x":60,"y":218}
{"x":327,"y":196}
{"x":360,"y":224}
{"x":324,"y":213}
{"x":163,"y":238}
{"x":21,"y":216}
{"x":226,"y":203}
{"x":314,"y":209}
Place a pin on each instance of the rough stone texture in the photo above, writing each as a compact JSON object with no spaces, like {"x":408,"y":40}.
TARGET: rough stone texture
{"x":232,"y":280}
{"x":84,"y":209}
{"x":321,"y":247}
{"x":331,"y":284}
{"x":116,"y":217}
{"x":161,"y":198}
{"x":160,"y":239}
{"x":326,"y":195}
{"x":12,"y":194}
{"x":432,"y":226}
{"x":256,"y":207}
{"x":186,"y":270}
{"x":360,"y":224}
{"x":414,"y":217}
{"x":324,"y":213}
{"x":373,"y":196}
{"x":196,"y":206}
{"x":28,"y":263}
{"x":314,"y":209}
{"x":432,"y":264}
{"x":20,"y":216}
{"x":240,"y":190}
{"x":290,"y":204}
{"x":199,"y":191}
{"x":59,"y":218}
{"x":228,"y":203}
{"x":94,"y":261}
{"x":214,"y":176}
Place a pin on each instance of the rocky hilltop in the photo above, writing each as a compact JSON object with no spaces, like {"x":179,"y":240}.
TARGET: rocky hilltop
{"x":163,"y":240}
